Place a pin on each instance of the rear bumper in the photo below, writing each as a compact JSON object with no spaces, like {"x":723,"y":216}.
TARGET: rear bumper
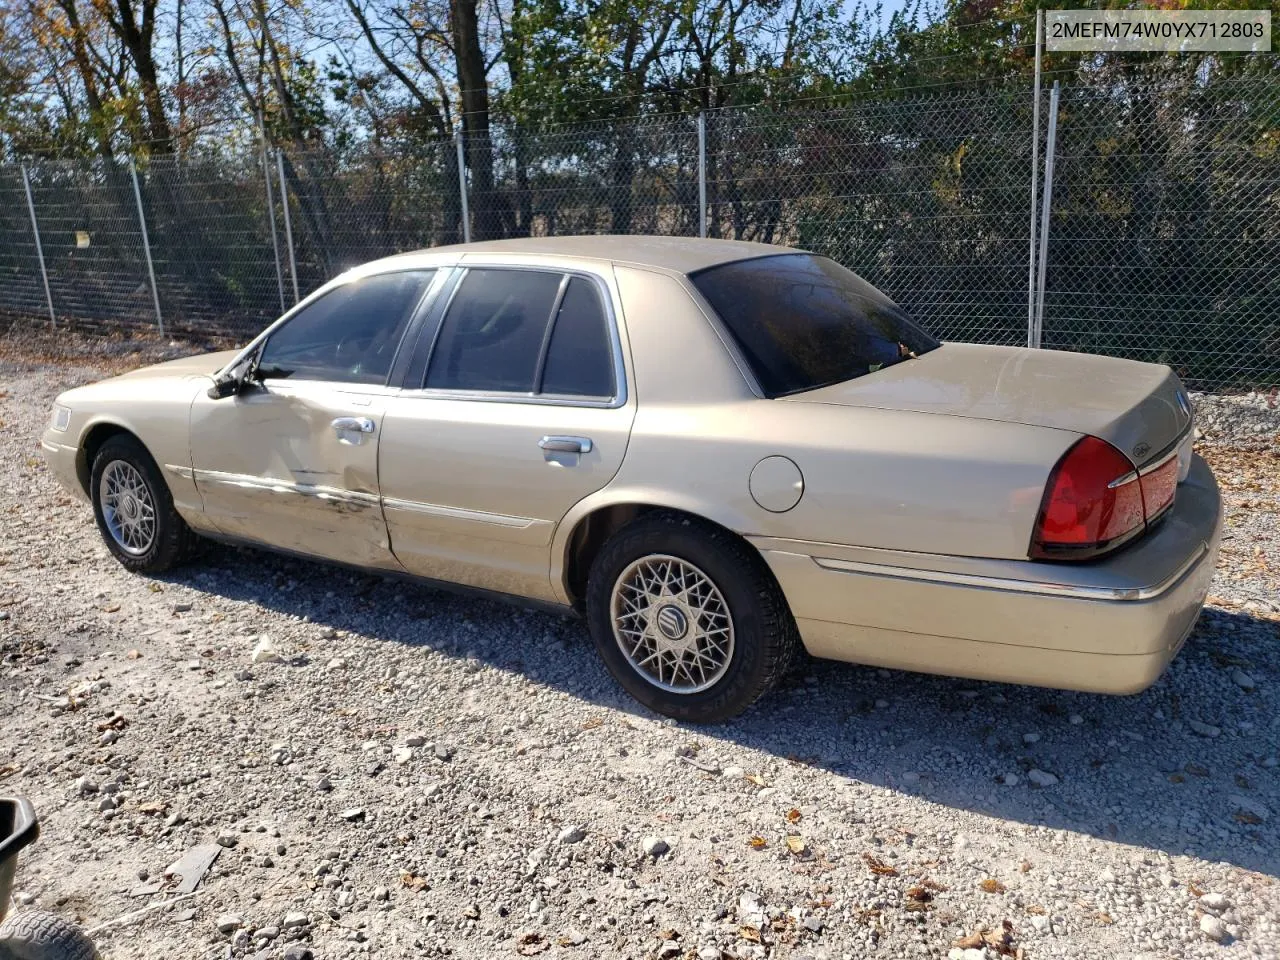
{"x":1110,"y":626}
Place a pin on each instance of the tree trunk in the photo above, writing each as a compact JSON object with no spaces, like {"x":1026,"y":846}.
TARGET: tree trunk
{"x":473,"y":84}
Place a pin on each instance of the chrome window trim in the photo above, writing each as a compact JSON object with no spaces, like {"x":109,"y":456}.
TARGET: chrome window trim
{"x":506,"y":396}
{"x":1010,"y":585}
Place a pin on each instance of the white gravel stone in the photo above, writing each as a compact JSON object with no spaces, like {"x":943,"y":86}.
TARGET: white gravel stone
{"x":654,"y":846}
{"x":571,"y":834}
{"x":1204,"y":729}
{"x":1041,"y":778}
{"x":229,"y":923}
{"x":1215,"y":902}
{"x":265,"y":652}
{"x":1242,"y":680}
{"x":1213,"y":928}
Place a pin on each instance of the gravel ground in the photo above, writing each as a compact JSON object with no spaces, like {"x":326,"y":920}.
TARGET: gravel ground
{"x":399,"y":772}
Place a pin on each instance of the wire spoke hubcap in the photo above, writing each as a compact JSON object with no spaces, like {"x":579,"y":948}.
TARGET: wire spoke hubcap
{"x":127,"y":507}
{"x":672,"y":624}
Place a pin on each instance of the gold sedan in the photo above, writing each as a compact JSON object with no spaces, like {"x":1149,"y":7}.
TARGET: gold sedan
{"x":717,"y":452}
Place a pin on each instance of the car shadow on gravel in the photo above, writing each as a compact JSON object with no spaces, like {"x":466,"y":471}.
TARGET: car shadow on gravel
{"x":1189,"y":766}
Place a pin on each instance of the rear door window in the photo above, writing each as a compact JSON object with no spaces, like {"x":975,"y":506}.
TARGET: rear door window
{"x":579,"y":359}
{"x":803,"y":322}
{"x":491,"y":337}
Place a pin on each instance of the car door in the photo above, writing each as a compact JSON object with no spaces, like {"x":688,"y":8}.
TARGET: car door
{"x":516,"y":409}
{"x":292,"y":460}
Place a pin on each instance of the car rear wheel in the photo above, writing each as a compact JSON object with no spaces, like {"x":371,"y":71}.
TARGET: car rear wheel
{"x":688,"y":618}
{"x":134,"y":508}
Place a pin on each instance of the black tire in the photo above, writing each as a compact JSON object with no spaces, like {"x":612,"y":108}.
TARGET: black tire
{"x":765,"y":639}
{"x":34,"y":935}
{"x":172,"y":541}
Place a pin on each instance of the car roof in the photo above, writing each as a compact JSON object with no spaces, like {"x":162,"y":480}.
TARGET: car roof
{"x":678,"y":254}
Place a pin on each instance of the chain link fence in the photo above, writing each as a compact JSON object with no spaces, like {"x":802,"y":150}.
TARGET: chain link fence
{"x":1163,"y":234}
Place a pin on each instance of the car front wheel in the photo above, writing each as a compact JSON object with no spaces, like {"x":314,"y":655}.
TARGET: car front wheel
{"x":134,"y":509}
{"x":688,"y":618}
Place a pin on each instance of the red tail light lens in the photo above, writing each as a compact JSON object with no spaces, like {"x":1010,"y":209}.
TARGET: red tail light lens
{"x":1093,"y":502}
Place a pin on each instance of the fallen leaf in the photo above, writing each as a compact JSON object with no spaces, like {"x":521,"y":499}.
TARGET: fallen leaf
{"x":796,"y":844}
{"x":755,"y":778}
{"x":757,"y":843}
{"x":1025,"y":866}
{"x":669,"y":935}
{"x":878,"y":866}
{"x":1038,"y":910}
{"x":991,"y":885}
{"x":793,"y":815}
{"x":921,"y":893}
{"x":531,"y":943}
{"x":749,"y":933}
{"x":153,"y":808}
{"x":1103,"y":917}
{"x":413,"y":881}
{"x":592,"y":724}
{"x":972,"y":941}
{"x":1244,"y":816}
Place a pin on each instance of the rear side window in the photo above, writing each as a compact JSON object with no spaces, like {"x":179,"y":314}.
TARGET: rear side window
{"x":579,"y":359}
{"x":492,"y":336}
{"x":804,"y":322}
{"x":350,"y":334}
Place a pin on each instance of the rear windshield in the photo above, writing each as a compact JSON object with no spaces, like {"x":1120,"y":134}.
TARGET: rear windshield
{"x":803,"y":322}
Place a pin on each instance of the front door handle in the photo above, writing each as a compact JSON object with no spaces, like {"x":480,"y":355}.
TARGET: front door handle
{"x":565,"y":444}
{"x":352,"y":425}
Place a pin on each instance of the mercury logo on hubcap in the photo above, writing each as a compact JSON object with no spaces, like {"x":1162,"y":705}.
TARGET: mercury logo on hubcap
{"x":672,"y":622}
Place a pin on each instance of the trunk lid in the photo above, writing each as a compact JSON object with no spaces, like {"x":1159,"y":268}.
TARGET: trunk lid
{"x":1139,"y":408}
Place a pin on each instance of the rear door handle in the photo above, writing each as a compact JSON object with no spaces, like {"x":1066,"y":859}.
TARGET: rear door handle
{"x":352,"y":425}
{"x":565,"y":444}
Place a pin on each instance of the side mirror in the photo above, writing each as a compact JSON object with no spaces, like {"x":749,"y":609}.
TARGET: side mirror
{"x":224,"y":387}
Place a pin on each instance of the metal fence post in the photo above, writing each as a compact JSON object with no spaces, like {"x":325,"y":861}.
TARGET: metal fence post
{"x":702,"y":174}
{"x":462,"y":185}
{"x":146,"y":245}
{"x":35,"y":229}
{"x":1035,"y":164}
{"x":271,"y":216}
{"x":288,"y":224}
{"x":1046,"y":210}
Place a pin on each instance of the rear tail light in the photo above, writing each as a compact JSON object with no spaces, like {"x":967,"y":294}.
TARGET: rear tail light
{"x":1158,"y":487}
{"x":1095,"y":501}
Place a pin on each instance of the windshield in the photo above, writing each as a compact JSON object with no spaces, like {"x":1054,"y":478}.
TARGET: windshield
{"x":804,"y":322}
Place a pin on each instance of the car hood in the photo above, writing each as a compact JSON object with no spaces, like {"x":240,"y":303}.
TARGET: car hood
{"x":206,"y":364}
{"x":1141,"y":408}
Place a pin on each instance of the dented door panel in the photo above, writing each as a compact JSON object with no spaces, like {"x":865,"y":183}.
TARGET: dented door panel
{"x":294,"y":465}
